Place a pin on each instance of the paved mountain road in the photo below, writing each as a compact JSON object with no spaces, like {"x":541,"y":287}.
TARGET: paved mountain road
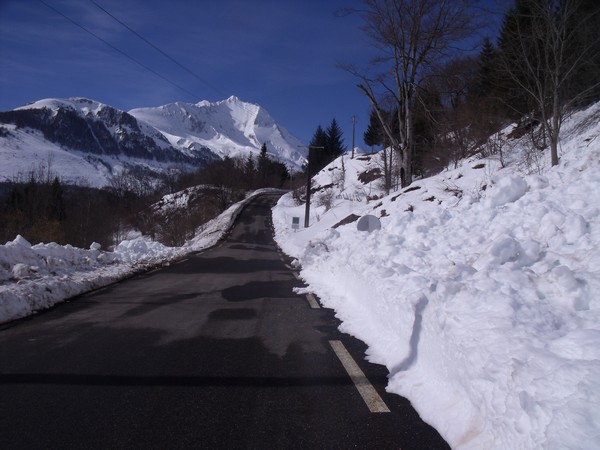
{"x":212,"y":352}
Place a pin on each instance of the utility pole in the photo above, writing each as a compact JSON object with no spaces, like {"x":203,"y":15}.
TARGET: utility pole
{"x":353,"y":128}
{"x":308,"y":182}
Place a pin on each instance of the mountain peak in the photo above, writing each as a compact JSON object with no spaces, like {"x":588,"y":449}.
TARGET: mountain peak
{"x":232,"y":99}
{"x":228,"y":127}
{"x":99,"y":139}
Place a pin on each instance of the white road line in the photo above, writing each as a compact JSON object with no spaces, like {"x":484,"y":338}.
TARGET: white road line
{"x":374,"y":402}
{"x":312,"y":301}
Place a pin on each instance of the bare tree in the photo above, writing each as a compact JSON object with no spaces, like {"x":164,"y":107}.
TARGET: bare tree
{"x":551,"y":45}
{"x":410,"y":36}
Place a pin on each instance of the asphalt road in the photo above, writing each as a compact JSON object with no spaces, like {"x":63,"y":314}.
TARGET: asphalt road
{"x":216,"y":351}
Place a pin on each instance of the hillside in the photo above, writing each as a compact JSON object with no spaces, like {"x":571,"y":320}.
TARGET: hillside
{"x":88,"y":143}
{"x":479,"y":293}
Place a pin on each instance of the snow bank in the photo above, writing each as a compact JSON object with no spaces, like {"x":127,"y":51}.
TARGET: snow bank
{"x":479,"y":294}
{"x":35,"y":277}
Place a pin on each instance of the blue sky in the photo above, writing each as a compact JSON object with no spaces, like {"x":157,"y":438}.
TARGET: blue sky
{"x":280,"y":54}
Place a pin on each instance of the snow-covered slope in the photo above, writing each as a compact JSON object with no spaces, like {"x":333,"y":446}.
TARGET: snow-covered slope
{"x":86,"y":142}
{"x":25,"y":151}
{"x":229,"y":128}
{"x":479,"y":293}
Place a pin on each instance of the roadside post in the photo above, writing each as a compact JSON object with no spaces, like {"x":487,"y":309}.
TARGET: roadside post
{"x":295,"y":223}
{"x":308,"y":182}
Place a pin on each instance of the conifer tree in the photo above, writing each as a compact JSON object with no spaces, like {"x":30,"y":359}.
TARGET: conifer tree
{"x":335,"y":141}
{"x":488,"y":66}
{"x":516,"y":29}
{"x":374,"y":133}
{"x":587,"y":76}
{"x":317,"y":150}
{"x":263,"y":151}
{"x":263,"y":164}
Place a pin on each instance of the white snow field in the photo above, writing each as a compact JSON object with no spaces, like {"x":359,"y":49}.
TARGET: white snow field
{"x":479,"y":293}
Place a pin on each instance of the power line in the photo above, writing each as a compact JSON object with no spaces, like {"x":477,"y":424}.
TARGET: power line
{"x":162,"y":52}
{"x":243,"y":104}
{"x":120,"y":51}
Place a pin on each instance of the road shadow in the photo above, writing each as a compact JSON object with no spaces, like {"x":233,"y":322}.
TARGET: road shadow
{"x":259,"y":289}
{"x":67,"y":379}
{"x":225,"y":264}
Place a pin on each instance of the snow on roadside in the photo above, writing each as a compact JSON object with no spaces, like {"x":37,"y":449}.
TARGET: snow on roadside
{"x":479,"y":294}
{"x":35,"y":277}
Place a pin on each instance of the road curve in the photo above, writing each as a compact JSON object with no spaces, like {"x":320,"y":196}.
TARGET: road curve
{"x":212,"y":352}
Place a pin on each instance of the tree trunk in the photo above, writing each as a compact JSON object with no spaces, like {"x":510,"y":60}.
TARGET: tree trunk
{"x":555,"y":131}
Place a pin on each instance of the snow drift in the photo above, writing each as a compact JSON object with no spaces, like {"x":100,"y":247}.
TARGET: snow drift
{"x":479,"y":293}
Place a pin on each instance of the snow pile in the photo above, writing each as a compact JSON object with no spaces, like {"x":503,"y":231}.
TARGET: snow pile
{"x":479,"y":293}
{"x":143,"y":249}
{"x":35,"y":277}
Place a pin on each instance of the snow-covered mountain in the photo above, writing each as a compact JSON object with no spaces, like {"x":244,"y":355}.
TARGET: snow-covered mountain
{"x":229,"y":128}
{"x":86,"y":142}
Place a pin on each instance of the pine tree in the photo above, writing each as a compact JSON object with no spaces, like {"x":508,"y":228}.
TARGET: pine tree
{"x":516,"y":28}
{"x":488,"y":67}
{"x":374,"y":134}
{"x":263,"y":151}
{"x":317,"y":150}
{"x":263,"y":164}
{"x":585,"y":23}
{"x":335,"y":141}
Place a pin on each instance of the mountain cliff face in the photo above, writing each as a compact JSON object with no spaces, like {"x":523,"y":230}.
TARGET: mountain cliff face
{"x":229,"y":128}
{"x":87,"y":142}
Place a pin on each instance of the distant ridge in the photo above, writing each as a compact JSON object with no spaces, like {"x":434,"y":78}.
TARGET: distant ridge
{"x":86,"y":142}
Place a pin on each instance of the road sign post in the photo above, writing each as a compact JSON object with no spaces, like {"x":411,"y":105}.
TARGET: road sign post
{"x":308,"y":181}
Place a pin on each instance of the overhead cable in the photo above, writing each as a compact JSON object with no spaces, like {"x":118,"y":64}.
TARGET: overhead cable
{"x":162,"y":52}
{"x":121,"y":51}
